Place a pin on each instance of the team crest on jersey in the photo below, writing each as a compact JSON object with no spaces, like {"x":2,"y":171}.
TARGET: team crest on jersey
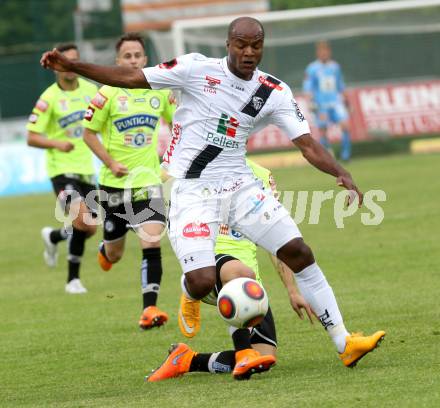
{"x":42,"y":105}
{"x":155,"y":102}
{"x":138,"y":139}
{"x":99,"y":100}
{"x":257,"y":102}
{"x":33,"y":117}
{"x":211,"y":86}
{"x":63,"y":105}
{"x":89,"y":113}
{"x":122,"y":103}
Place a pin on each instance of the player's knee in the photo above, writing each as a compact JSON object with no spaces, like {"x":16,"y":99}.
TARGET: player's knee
{"x":200,"y":282}
{"x":89,"y":229}
{"x":296,"y":254}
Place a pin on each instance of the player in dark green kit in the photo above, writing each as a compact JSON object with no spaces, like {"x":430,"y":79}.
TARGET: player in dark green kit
{"x":55,"y":125}
{"x":129,"y":180}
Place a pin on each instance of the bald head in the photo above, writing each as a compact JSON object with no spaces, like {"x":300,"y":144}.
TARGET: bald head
{"x":245,"y":26}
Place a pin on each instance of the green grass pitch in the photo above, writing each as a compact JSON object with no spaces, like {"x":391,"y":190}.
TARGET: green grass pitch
{"x":59,"y":350}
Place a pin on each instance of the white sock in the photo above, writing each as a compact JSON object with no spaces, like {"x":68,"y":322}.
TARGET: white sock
{"x":319,"y":294}
{"x":184,"y":289}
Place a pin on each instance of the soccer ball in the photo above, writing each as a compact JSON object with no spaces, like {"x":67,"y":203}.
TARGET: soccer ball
{"x":242,"y":302}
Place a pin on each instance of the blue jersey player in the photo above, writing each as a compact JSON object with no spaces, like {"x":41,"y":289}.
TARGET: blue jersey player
{"x":325,"y":88}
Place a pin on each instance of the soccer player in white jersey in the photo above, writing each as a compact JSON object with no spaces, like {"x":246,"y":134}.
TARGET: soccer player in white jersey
{"x":223,"y":100}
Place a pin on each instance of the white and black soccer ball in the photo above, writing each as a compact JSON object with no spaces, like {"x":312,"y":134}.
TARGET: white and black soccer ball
{"x":242,"y":302}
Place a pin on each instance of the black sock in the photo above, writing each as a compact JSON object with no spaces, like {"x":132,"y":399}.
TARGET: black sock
{"x":151,"y":275}
{"x":222,"y":362}
{"x":76,"y":250}
{"x":241,"y":339}
{"x":58,"y":235}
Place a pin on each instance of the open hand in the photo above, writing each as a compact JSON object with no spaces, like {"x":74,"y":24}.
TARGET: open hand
{"x":347,"y":182}
{"x":298,"y":303}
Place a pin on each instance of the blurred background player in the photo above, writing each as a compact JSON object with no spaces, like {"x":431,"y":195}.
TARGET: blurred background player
{"x":55,"y":125}
{"x":324,"y":87}
{"x":235,"y":257}
{"x":129,"y":180}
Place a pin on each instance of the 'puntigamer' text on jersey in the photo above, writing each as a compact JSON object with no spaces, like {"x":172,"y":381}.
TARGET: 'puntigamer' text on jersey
{"x":218,"y":112}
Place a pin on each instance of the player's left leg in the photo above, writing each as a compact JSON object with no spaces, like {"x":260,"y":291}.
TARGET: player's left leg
{"x":270,"y":226}
{"x":151,"y":274}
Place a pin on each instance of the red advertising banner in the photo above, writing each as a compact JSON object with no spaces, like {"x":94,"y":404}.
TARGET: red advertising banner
{"x":394,"y":110}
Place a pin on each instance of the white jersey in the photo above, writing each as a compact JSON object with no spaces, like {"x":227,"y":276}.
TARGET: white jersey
{"x":218,"y":112}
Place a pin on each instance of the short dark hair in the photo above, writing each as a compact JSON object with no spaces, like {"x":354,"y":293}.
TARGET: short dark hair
{"x":129,"y":37}
{"x":61,"y":47}
{"x":249,"y":20}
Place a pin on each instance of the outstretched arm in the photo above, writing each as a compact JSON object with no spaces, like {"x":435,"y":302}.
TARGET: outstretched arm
{"x":124,"y":77}
{"x":319,"y":157}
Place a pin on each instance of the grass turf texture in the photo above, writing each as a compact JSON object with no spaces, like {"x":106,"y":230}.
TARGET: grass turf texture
{"x":59,"y":350}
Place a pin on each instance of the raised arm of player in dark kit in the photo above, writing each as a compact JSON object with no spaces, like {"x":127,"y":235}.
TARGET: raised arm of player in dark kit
{"x":123,"y":77}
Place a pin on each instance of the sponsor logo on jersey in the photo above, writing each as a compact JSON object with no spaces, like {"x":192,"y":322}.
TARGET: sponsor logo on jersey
{"x":257,"y":202}
{"x":122,"y":103}
{"x":42,"y":105}
{"x":223,"y":229}
{"x":89,"y":113}
{"x":227,"y":125}
{"x":221,"y":141}
{"x":267,"y":82}
{"x":194,"y":230}
{"x":168,"y":64}
{"x":176,"y":131}
{"x":63,"y":105}
{"x":139,"y":139}
{"x":71,"y":118}
{"x":33,"y":117}
{"x":298,"y":112}
{"x":99,"y":100}
{"x":135,"y":121}
{"x":211,"y":87}
{"x":236,"y":235}
{"x":155,"y":102}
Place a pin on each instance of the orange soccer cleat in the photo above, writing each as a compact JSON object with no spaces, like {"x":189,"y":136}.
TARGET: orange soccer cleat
{"x":152,"y":316}
{"x":104,"y":263}
{"x":250,"y":361}
{"x":176,"y":364}
{"x":189,"y":316}
{"x":358,"y":346}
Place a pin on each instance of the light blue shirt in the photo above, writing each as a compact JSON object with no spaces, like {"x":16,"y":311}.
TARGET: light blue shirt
{"x":325,"y":82}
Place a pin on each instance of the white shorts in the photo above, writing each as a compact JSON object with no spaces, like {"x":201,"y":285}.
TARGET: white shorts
{"x":199,"y":207}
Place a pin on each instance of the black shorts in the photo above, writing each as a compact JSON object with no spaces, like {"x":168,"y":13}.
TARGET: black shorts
{"x":126,"y":209}
{"x":70,"y":187}
{"x":265,"y":331}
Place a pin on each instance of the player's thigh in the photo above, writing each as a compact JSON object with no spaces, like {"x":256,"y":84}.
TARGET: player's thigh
{"x":235,"y":269}
{"x":115,"y":225}
{"x":192,"y":226}
{"x":264,"y":220}
{"x":150,"y":221}
{"x":322,"y":118}
{"x":150,"y":234}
